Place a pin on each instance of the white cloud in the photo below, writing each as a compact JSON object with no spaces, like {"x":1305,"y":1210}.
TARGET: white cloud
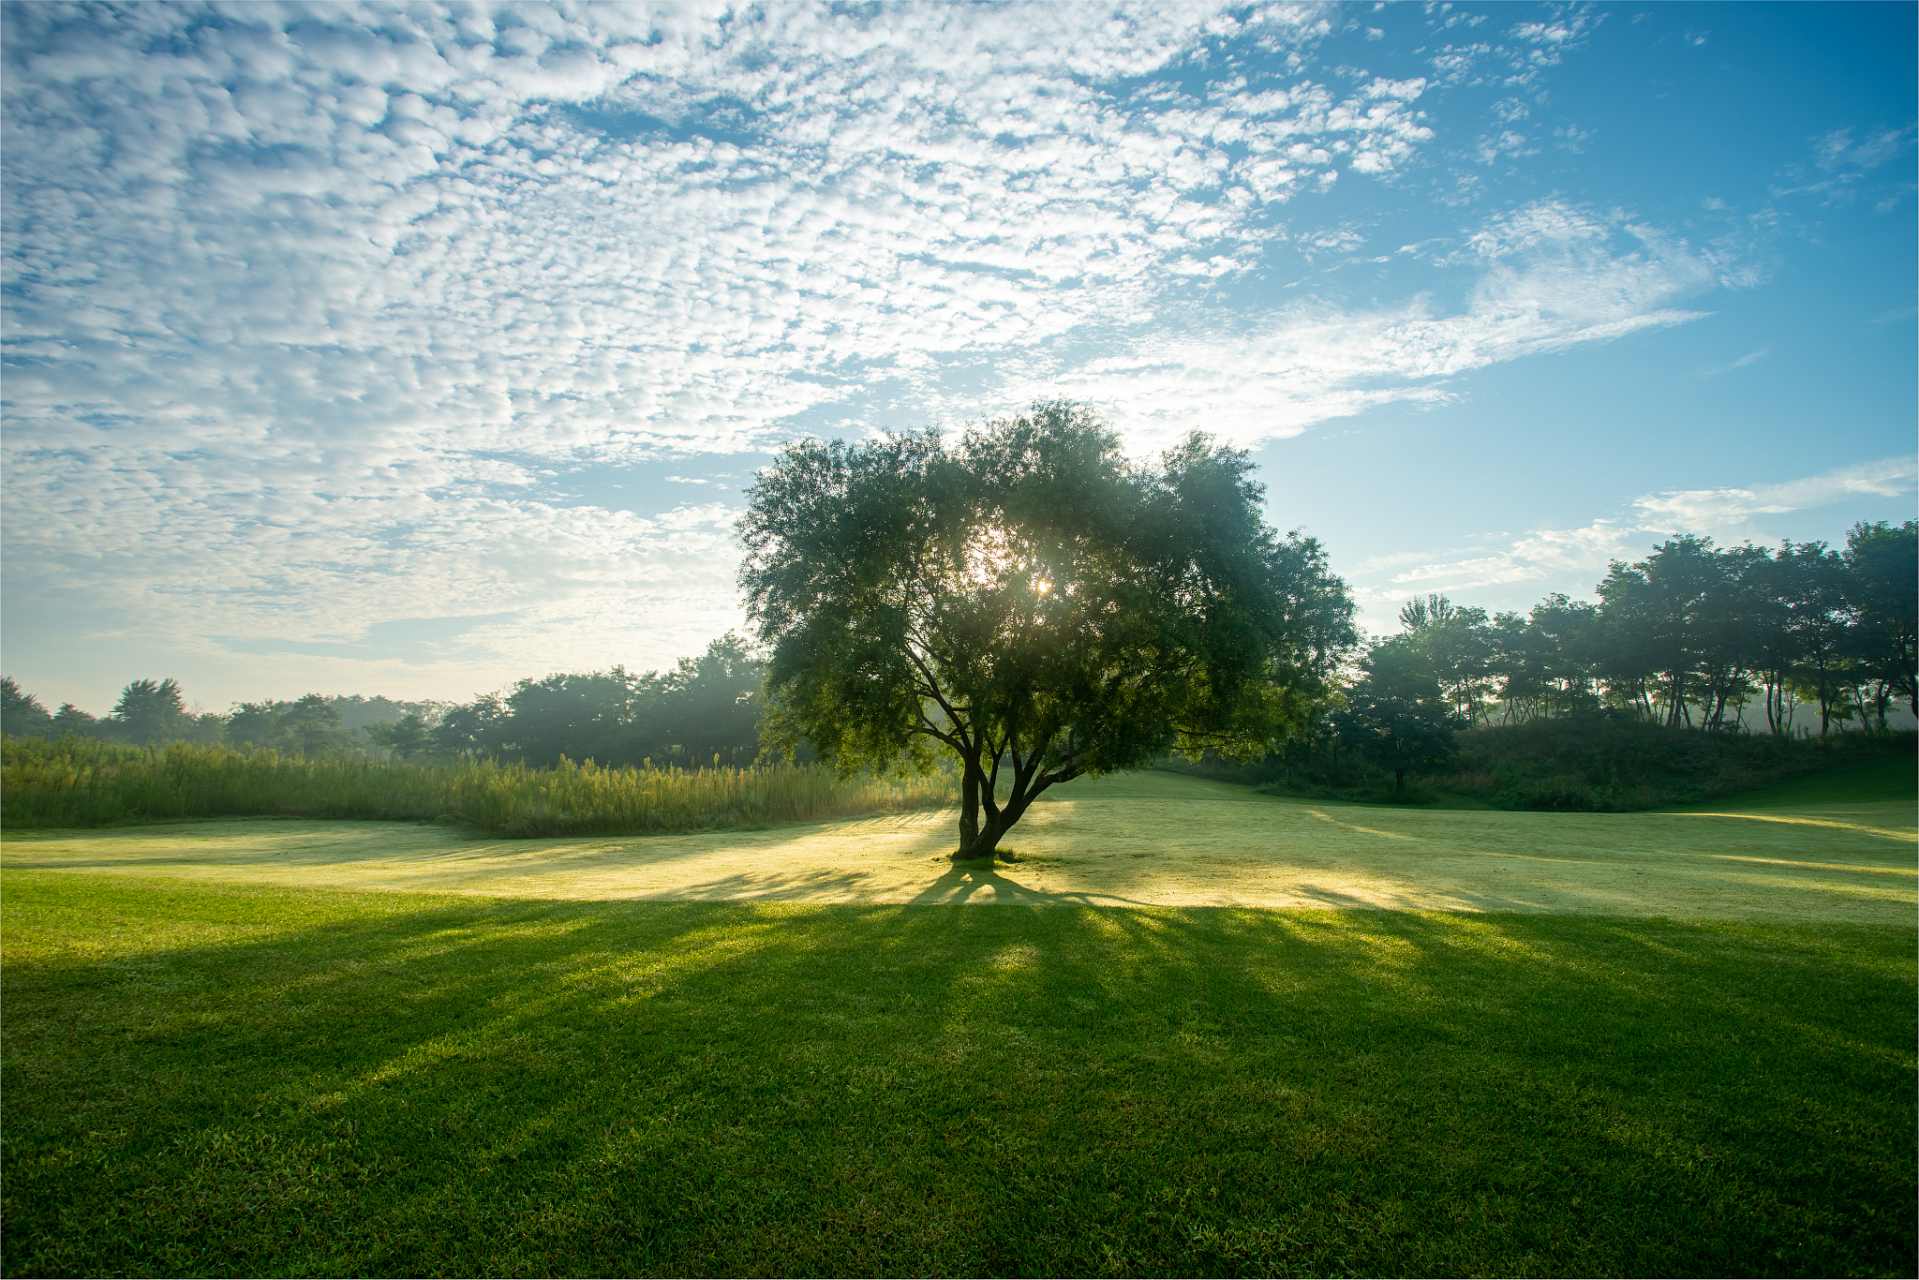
{"x":305,"y":303}
{"x":1730,"y":511}
{"x":1564,"y":559}
{"x":1548,"y":277}
{"x":1843,"y":170}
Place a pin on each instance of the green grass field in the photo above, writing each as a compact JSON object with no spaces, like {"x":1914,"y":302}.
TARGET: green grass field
{"x":223,"y":1066}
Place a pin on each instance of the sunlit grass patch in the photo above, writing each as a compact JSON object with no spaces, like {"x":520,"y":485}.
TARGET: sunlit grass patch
{"x":204,"y":1079}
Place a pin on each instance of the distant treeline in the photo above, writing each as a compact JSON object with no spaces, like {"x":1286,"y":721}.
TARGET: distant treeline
{"x":1738,"y":639}
{"x":704,"y":711}
{"x":1693,"y":636}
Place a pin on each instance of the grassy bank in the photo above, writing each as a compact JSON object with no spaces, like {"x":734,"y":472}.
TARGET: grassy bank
{"x":1579,"y":764}
{"x":79,"y":783}
{"x":226,"y":1080}
{"x":1603,"y":764}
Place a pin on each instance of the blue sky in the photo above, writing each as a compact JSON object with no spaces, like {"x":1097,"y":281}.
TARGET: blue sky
{"x":410,"y":350}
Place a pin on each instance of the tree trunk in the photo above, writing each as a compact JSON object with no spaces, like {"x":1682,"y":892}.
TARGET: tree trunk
{"x":969,"y":806}
{"x":1399,"y":781}
{"x":985,"y":839}
{"x":993,"y":820}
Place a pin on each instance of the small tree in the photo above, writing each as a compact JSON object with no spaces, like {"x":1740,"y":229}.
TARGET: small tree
{"x":1027,"y":600}
{"x":254,"y":725}
{"x":311,"y":725}
{"x":408,"y":738}
{"x":1396,"y":715}
{"x":70,"y":719}
{"x":151,"y":711}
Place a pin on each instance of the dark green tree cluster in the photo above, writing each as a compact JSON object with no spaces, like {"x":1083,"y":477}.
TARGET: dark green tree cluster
{"x":1693,"y":635}
{"x":1396,"y":715}
{"x":704,"y":711}
{"x":148,"y":712}
{"x":310,"y":726}
{"x":152,"y":712}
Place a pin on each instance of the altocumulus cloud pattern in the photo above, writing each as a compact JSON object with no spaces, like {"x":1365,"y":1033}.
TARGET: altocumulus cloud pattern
{"x":312,"y":312}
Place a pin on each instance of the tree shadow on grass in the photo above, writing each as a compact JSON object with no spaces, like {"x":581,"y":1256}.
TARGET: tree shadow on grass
{"x":751,"y":1089}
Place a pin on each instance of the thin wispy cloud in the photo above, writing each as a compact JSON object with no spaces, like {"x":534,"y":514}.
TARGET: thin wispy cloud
{"x":1745,"y":361}
{"x":1564,"y":559}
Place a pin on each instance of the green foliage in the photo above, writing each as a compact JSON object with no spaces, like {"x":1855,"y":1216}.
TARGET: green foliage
{"x":72,"y":720}
{"x":1395,"y":715}
{"x":1031,"y":602}
{"x":151,"y":711}
{"x":705,"y":711}
{"x":73,"y":782}
{"x":212,"y":1080}
{"x":408,"y":738}
{"x":1883,"y":592}
{"x":21,"y":715}
{"x":316,"y":725}
{"x":1691,"y":634}
{"x":1608,"y":762}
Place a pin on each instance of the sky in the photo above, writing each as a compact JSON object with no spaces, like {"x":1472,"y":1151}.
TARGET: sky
{"x":412,"y":350}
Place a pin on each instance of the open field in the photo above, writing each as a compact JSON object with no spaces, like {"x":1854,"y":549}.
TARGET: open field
{"x":1840,"y":850}
{"x":219,"y":1061}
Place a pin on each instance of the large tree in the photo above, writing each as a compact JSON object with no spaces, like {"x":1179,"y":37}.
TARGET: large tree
{"x":1031,"y":602}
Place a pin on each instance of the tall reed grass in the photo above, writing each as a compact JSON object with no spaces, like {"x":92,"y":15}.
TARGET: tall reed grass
{"x":79,"y":783}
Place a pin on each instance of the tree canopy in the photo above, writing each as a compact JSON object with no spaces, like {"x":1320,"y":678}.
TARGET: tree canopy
{"x":1396,"y":713}
{"x":1028,"y":600}
{"x":1692,"y":633}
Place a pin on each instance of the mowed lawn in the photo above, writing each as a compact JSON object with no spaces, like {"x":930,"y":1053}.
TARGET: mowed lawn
{"x":216,"y":1075}
{"x":1837,"y":849}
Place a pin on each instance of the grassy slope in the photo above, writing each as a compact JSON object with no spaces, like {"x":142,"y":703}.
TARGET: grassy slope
{"x":226,"y":1079}
{"x":1863,"y":782}
{"x":1604,"y":764}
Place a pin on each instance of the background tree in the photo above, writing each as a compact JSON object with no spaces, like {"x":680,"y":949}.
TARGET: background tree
{"x":1813,"y":584}
{"x":1396,"y":714}
{"x":1458,"y":646}
{"x":151,"y":712}
{"x":71,"y":719}
{"x":21,"y":715}
{"x":311,"y":726}
{"x":254,"y":726}
{"x":408,"y":738}
{"x":1882,"y":591}
{"x":582,"y":716}
{"x":1659,"y":602}
{"x":1728,"y":644}
{"x":708,"y":706}
{"x":1031,"y":602}
{"x":477,"y":728}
